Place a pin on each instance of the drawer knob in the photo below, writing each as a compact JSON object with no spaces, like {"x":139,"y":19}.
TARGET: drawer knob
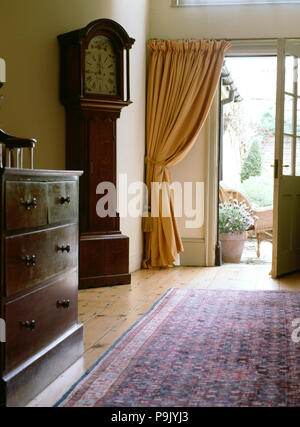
{"x":64,"y":200}
{"x":30,"y":260}
{"x":64,"y":303}
{"x":29,"y":325}
{"x":66,"y":248}
{"x":31,"y":204}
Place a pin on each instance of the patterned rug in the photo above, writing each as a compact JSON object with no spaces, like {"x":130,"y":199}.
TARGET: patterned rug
{"x":201,"y":348}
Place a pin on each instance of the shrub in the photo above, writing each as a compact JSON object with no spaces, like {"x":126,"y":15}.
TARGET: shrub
{"x":259,"y":190}
{"x":252,"y":165}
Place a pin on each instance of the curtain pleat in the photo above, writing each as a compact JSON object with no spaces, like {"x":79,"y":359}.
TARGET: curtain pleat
{"x":183,"y":77}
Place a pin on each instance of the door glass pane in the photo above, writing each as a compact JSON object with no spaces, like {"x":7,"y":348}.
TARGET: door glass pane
{"x":287,"y":155}
{"x":298,"y":157}
{"x":288,"y":114}
{"x":289,"y":74}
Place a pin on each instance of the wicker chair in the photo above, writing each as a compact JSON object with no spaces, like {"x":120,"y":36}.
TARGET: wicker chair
{"x":263,"y":227}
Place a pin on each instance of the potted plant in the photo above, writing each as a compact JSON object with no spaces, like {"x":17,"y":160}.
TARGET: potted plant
{"x":234,"y":220}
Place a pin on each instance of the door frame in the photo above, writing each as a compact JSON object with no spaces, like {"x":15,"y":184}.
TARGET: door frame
{"x":212,"y":181}
{"x":240,"y":47}
{"x":284,"y":260}
{"x":278,"y":155}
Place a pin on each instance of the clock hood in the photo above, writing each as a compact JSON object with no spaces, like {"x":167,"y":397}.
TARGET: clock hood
{"x":110,"y":28}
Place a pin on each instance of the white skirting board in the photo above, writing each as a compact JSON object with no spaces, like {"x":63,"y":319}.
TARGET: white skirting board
{"x":135,"y":262}
{"x":194,"y":254}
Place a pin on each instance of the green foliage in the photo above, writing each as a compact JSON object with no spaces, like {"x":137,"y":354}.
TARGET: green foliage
{"x":234,"y":218}
{"x":268,"y":122}
{"x":259,"y":190}
{"x":252,"y":165}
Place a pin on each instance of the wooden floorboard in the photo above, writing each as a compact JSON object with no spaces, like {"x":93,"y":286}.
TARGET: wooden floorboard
{"x":107,"y":313}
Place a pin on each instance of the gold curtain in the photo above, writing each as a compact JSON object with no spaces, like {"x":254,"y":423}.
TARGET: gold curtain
{"x":182,"y":80}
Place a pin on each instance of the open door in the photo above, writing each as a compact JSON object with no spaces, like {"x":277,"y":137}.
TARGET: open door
{"x":286,"y":223}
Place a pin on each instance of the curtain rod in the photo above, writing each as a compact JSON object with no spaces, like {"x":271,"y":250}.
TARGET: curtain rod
{"x":248,"y":39}
{"x":234,"y":39}
{"x":258,"y":39}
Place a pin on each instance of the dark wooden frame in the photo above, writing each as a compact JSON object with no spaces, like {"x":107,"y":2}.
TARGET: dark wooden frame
{"x":72,"y":60}
{"x":91,"y":144}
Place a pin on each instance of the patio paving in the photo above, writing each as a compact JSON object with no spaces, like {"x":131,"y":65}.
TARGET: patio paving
{"x":249,"y":255}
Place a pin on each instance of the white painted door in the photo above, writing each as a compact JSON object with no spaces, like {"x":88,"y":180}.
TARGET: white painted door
{"x":286,"y":227}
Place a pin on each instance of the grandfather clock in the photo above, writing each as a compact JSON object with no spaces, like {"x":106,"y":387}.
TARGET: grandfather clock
{"x":95,"y":86}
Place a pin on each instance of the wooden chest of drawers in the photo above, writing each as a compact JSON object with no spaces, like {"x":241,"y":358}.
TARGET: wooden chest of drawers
{"x":39,"y":280}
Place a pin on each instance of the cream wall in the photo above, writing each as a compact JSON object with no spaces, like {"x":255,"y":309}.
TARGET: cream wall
{"x":192,"y":169}
{"x":247,"y":21}
{"x":28,"y":31}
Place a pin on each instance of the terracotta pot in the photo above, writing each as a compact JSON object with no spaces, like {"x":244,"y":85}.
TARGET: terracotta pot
{"x":232,"y":246}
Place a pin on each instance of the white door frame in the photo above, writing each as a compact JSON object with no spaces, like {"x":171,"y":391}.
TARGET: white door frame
{"x":211,"y":194}
{"x":255,"y":47}
{"x":286,"y":189}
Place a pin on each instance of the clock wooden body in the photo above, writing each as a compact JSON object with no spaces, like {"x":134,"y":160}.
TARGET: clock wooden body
{"x":95,"y":86}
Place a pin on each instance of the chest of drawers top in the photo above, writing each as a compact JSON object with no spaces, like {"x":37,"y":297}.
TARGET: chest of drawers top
{"x":37,"y":198}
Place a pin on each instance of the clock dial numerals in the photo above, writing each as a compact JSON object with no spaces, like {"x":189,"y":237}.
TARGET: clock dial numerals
{"x":100,"y":67}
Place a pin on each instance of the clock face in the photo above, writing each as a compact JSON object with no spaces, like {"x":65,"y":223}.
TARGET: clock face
{"x":100,"y":67}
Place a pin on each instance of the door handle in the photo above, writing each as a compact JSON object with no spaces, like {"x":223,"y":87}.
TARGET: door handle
{"x":283,"y":166}
{"x":276,"y":166}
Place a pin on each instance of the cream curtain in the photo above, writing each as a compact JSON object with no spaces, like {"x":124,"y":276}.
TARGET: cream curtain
{"x":182,"y":80}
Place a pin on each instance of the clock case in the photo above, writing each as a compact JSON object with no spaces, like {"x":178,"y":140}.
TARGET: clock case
{"x":91,"y":140}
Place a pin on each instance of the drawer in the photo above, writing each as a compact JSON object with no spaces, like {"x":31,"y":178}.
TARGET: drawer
{"x":26,"y":204}
{"x":63,"y":201}
{"x":53,"y":310}
{"x":35,"y":257}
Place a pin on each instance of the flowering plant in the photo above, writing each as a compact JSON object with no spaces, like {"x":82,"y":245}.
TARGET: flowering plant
{"x":235,"y":217}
